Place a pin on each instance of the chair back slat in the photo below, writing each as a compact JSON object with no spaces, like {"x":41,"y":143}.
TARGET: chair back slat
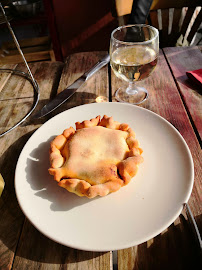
{"x":176,"y":20}
{"x":174,"y":31}
{"x":187,"y":19}
{"x":165,"y":20}
{"x":177,"y":13}
{"x":159,"y":4}
{"x":195,"y":26}
{"x":163,"y":32}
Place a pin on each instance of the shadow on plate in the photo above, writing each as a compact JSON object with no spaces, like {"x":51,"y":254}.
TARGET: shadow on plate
{"x":40,"y":181}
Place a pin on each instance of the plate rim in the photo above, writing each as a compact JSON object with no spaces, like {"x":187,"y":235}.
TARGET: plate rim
{"x":134,"y":242}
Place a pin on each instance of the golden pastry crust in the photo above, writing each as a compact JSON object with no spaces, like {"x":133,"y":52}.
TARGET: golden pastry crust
{"x":97,"y":158}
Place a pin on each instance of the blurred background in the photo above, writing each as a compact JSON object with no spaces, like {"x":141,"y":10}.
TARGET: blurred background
{"x":53,"y":29}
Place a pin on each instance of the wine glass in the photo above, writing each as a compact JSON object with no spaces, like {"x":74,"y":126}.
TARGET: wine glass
{"x":133,"y":56}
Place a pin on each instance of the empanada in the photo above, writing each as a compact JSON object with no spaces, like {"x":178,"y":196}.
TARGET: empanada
{"x":97,"y":158}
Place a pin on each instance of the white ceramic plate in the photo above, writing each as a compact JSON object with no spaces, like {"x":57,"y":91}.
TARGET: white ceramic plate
{"x":131,"y":216}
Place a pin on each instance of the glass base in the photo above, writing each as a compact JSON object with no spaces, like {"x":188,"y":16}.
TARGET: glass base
{"x":132,"y":96}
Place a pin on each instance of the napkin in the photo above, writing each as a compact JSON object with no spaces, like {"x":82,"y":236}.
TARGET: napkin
{"x":195,"y":76}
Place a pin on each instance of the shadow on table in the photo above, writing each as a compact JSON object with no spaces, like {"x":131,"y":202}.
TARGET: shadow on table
{"x":36,"y":249}
{"x":11,"y":216}
{"x":165,"y":250}
{"x":45,"y":250}
{"x":17,"y":235}
{"x":189,"y":84}
{"x":170,"y":249}
{"x":79,"y":98}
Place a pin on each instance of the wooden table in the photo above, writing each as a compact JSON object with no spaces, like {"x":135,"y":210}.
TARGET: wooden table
{"x":172,"y":95}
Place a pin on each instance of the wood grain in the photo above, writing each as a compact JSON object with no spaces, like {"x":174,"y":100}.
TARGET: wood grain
{"x":165,"y":100}
{"x":17,"y":96}
{"x":48,"y":254}
{"x":97,"y":86}
{"x":5,"y":76}
{"x":181,"y":61}
{"x":170,"y":95}
{"x":166,"y":251}
{"x":11,"y":217}
{"x":18,"y":87}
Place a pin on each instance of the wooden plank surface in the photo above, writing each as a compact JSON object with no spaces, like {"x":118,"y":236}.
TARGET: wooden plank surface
{"x":180,"y":62}
{"x":17,"y":95}
{"x":174,"y":248}
{"x":190,"y":59}
{"x":11,"y":217}
{"x":47,"y":254}
{"x":17,"y":87}
{"x":95,"y":89}
{"x":24,"y":247}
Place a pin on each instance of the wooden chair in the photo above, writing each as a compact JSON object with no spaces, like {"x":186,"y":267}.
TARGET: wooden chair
{"x":177,"y":20}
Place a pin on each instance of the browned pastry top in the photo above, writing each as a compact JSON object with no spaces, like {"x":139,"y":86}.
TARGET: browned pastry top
{"x":97,"y":158}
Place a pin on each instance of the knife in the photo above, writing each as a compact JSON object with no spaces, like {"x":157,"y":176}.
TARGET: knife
{"x":70,"y":90}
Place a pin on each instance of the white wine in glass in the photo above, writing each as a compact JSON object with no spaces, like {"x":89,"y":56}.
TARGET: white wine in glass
{"x":133,"y":56}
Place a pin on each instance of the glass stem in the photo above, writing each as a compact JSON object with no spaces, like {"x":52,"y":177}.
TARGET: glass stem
{"x":131,"y":89}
